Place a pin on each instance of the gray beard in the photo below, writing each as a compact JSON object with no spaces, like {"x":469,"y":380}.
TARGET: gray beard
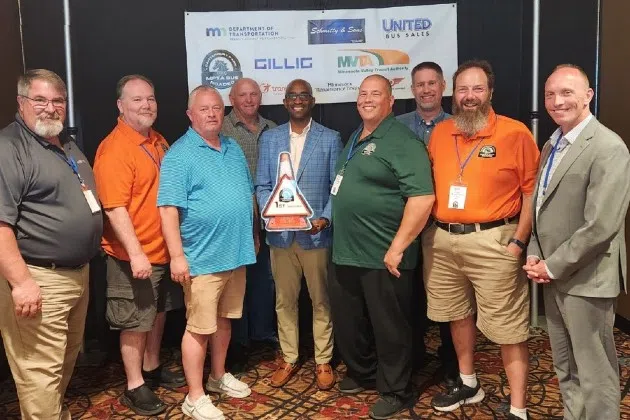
{"x":470,"y":123}
{"x":48,"y":129}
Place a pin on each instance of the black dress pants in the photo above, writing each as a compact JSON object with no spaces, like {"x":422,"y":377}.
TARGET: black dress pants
{"x":371,"y":311}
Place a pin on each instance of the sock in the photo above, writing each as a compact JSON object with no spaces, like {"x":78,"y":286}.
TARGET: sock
{"x":521,"y":413}
{"x":469,"y":380}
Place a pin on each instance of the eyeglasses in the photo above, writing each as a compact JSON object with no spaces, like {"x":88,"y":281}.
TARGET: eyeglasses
{"x":42,"y":103}
{"x":302,"y":96}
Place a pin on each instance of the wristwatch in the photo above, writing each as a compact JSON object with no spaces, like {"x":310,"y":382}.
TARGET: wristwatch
{"x":325,"y":221}
{"x":518,"y":243}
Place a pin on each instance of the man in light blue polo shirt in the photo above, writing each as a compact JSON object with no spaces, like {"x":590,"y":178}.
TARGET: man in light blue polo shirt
{"x":206,"y":199}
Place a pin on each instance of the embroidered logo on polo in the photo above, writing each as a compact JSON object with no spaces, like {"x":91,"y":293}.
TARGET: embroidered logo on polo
{"x":488,"y":152}
{"x":369,"y":149}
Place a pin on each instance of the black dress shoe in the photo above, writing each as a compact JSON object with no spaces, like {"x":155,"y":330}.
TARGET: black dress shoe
{"x":388,"y":406}
{"x":163,"y":377}
{"x":142,"y":401}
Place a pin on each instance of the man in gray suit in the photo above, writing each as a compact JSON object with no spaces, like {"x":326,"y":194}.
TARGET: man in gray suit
{"x":578,"y":249}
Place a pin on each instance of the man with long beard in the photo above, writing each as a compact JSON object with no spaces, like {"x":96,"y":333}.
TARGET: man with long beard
{"x":484,"y":167}
{"x":50,"y":227}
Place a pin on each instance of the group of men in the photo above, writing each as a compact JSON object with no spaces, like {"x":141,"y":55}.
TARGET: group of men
{"x":425,"y":197}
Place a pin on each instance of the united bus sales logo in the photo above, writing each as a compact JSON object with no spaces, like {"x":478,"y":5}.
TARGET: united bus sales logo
{"x":406,"y":28}
{"x":220,"y":69}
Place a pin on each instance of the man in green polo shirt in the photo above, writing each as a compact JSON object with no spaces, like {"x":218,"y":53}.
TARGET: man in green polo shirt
{"x":382,"y":198}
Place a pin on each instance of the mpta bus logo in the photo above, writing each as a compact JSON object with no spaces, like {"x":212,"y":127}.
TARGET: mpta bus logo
{"x":369,"y":60}
{"x":216,"y":32}
{"x":283,"y":63}
{"x":336,"y":31}
{"x":406,"y":28}
{"x":220,"y":69}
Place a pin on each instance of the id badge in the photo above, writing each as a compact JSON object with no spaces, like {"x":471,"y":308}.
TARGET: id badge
{"x":457,"y":196}
{"x":91,"y":200}
{"x":336,"y":184}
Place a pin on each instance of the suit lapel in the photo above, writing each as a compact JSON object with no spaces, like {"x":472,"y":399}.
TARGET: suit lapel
{"x":575,"y":150}
{"x":310,"y":144}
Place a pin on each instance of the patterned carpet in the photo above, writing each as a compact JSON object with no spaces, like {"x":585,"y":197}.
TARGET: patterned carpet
{"x":94,"y":392}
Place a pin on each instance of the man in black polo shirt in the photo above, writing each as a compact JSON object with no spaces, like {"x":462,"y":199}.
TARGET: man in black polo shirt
{"x":382,"y":198}
{"x":50,"y":227}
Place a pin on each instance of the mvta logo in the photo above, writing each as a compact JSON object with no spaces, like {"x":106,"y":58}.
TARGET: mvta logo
{"x":216,"y":32}
{"x":362,"y":58}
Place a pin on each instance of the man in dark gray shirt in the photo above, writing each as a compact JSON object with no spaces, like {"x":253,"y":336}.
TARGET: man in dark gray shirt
{"x":50,"y":228}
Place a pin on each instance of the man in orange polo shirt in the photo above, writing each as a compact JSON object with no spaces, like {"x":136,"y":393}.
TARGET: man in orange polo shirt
{"x":484,"y":167}
{"x":139,"y":287}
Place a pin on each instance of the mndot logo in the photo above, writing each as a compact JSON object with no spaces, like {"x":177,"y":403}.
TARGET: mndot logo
{"x":216,"y":32}
{"x":364,"y":60}
{"x":220,"y":69}
{"x":336,"y":31}
{"x":407,"y":28}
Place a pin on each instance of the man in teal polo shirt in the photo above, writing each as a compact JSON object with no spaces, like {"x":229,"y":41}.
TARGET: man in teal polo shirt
{"x":382,"y":197}
{"x":206,"y":199}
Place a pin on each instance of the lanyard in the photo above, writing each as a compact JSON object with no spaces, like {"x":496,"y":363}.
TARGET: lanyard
{"x":459,"y":160}
{"x":72,"y":164}
{"x":550,"y":162}
{"x":157,"y":162}
{"x":353,"y":149}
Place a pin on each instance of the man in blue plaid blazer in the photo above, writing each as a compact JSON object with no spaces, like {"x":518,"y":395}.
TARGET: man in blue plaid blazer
{"x":314,"y":150}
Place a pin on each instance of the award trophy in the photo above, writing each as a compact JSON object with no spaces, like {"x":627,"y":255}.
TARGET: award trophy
{"x":286,"y":208}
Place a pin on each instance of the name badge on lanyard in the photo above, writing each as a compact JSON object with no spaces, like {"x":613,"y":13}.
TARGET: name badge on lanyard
{"x":87,"y":193}
{"x":458,"y":190}
{"x":351,"y":152}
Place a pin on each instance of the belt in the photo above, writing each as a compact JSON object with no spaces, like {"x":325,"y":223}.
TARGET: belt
{"x":463,"y":228}
{"x":51,"y":265}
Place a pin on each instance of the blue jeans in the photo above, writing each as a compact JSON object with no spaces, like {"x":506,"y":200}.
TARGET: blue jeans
{"x":259,"y":304}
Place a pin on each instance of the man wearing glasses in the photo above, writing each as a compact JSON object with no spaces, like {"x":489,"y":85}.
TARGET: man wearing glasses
{"x":50,"y":228}
{"x":313,"y":149}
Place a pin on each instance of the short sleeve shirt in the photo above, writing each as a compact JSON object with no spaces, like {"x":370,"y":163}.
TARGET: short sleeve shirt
{"x":502,"y":167}
{"x":379,"y":174}
{"x":127,"y":172}
{"x":213,"y":192}
{"x":42,"y":198}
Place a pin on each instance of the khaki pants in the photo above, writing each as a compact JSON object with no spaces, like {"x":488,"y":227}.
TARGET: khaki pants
{"x":42,"y":351}
{"x":288,"y":265}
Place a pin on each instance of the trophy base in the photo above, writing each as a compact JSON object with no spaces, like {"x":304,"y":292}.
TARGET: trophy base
{"x":281,"y":223}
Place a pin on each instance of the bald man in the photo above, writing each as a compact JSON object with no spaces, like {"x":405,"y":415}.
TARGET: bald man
{"x":376,"y":248}
{"x":245,"y":125}
{"x":578,"y":250}
{"x":205,"y":180}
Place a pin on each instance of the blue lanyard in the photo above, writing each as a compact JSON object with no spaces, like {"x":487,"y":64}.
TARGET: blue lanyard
{"x":550,"y":162}
{"x":72,"y":164}
{"x":459,"y":160}
{"x":352,"y":150}
{"x":157,"y":162}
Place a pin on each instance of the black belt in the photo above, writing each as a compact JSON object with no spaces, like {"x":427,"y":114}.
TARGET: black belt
{"x":51,"y":265}
{"x":463,"y":228}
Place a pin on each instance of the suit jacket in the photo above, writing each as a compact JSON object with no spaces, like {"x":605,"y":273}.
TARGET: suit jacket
{"x":579,"y":231}
{"x":314,"y":177}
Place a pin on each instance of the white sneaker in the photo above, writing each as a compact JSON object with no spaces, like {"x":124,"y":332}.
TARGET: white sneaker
{"x":228,"y":384}
{"x":202,"y":409}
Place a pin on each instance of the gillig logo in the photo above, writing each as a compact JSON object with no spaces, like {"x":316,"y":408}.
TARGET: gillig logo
{"x":371,"y":58}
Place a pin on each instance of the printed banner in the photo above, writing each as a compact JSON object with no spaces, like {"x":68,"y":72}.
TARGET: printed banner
{"x":334,"y":50}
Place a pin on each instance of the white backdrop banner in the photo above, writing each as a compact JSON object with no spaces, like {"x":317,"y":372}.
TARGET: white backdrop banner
{"x":334,"y":50}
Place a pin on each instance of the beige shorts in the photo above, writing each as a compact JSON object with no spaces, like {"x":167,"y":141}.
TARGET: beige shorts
{"x":209,"y":296}
{"x":474,"y":272}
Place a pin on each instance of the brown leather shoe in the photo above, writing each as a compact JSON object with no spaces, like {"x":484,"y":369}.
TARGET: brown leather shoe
{"x":325,"y":377}
{"x":282,"y":375}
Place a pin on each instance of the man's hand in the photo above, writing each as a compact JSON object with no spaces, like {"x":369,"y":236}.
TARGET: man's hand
{"x":514,"y":249}
{"x":179,"y":270}
{"x":392,"y":260}
{"x":317,"y":226}
{"x":27,"y":298}
{"x":140,"y":266}
{"x":537,"y":271}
